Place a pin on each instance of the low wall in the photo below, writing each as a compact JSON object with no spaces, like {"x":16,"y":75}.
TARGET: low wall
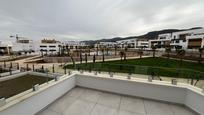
{"x":185,"y":94}
{"x":33,"y":102}
{"x":8,"y":73}
{"x":13,"y":76}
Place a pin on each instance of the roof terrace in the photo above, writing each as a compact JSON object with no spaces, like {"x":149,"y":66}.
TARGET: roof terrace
{"x":83,"y":93}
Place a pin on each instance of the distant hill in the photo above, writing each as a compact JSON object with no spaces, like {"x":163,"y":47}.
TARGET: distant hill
{"x":149,"y":35}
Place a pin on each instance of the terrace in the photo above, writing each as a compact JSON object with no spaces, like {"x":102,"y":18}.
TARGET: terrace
{"x":94,"y":102}
{"x":83,"y":93}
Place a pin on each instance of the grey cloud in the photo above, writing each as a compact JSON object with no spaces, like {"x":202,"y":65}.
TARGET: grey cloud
{"x":94,"y":19}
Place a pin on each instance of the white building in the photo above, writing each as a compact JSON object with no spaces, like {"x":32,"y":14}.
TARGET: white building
{"x":142,"y":43}
{"x":163,"y":41}
{"x":189,"y":39}
{"x":74,"y":44}
{"x":179,"y":39}
{"x":134,"y":43}
{"x":23,"y":46}
{"x":49,"y":46}
{"x":5,"y":48}
{"x":105,"y":44}
{"x":129,"y":43}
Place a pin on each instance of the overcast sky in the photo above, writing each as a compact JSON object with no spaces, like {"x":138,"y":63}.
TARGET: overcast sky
{"x":95,"y":19}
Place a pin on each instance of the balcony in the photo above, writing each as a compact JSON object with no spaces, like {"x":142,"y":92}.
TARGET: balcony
{"x":94,"y":102}
{"x":83,"y":93}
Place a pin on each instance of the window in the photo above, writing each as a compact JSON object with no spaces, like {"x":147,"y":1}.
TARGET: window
{"x":43,"y":46}
{"x":52,"y":46}
{"x":52,"y":50}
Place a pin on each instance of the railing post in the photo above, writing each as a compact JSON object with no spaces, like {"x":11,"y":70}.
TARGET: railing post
{"x":95,"y":73}
{"x":10,"y":71}
{"x":4,"y":64}
{"x":65,"y":70}
{"x":33,"y":67}
{"x":69,"y":72}
{"x":174,"y":82}
{"x":150,"y":78}
{"x":57,"y":78}
{"x":81,"y":71}
{"x":2,"y":102}
{"x":11,"y":65}
{"x":129,"y":76}
{"x":36,"y":87}
{"x":27,"y":67}
{"x":53,"y":68}
{"x":18,"y":66}
{"x":111,"y":74}
{"x":42,"y":67}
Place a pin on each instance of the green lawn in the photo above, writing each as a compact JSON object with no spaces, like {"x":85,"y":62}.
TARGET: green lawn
{"x":158,"y":66}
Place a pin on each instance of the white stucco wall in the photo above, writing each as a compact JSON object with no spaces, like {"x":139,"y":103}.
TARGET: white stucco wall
{"x":187,"y":95}
{"x":36,"y":101}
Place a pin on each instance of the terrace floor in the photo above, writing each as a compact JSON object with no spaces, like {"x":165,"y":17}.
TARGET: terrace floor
{"x":82,"y":101}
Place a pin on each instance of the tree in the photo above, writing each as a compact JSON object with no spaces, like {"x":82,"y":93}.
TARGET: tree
{"x":103,"y":55}
{"x":140,"y":52}
{"x":153,"y":51}
{"x":89,"y":51}
{"x":72,"y":60}
{"x":181,"y":54}
{"x":121,"y":55}
{"x":94,"y":58}
{"x":115,"y":47}
{"x":59,"y":53}
{"x":126,"y":49}
{"x":80,"y":56}
{"x":86,"y":58}
{"x":200,"y":55}
{"x":107,"y":49}
{"x":168,"y":50}
{"x":41,"y":51}
{"x":97,"y":49}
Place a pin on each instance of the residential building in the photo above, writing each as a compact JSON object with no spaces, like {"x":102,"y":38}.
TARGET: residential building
{"x":188,"y":40}
{"x":74,"y":44}
{"x":129,"y":43}
{"x":23,"y":46}
{"x":142,"y":43}
{"x":162,"y":42}
{"x":49,"y":46}
{"x":5,"y":48}
{"x":105,"y":44}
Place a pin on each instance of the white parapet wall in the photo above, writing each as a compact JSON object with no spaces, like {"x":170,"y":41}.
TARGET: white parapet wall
{"x":184,"y":94}
{"x":8,"y":73}
{"x":33,"y":102}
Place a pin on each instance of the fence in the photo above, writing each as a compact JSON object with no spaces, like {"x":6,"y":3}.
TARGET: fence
{"x":145,"y":70}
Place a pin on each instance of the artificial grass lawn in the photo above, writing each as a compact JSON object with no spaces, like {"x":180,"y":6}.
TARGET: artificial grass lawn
{"x":158,"y":66}
{"x":15,"y":86}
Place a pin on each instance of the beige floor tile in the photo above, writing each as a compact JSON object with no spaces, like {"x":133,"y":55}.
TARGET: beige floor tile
{"x":121,"y":112}
{"x":180,"y":110}
{"x":80,"y":107}
{"x":132,"y":104}
{"x":76,"y":92}
{"x":91,"y":95}
{"x":157,"y":108}
{"x":109,"y":99}
{"x":103,"y":110}
{"x":48,"y":112}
